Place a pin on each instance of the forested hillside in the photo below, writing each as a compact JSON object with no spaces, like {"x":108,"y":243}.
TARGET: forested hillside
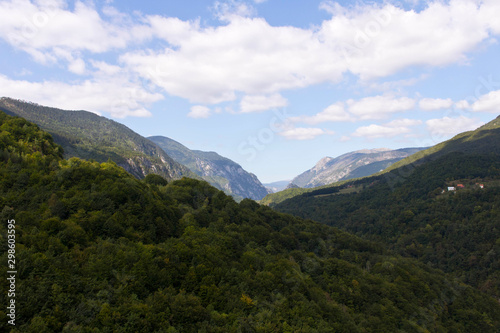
{"x":415,"y":214}
{"x":100,"y":251}
{"x":86,"y":135}
{"x":484,"y":140}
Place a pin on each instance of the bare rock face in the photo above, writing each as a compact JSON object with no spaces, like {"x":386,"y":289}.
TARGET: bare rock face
{"x":351,"y":165}
{"x":219,"y":171}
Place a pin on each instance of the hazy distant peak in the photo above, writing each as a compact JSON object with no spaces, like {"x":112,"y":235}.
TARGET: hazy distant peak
{"x":354,"y":164}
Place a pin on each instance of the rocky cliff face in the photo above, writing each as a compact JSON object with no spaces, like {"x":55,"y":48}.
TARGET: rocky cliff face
{"x":219,"y":171}
{"x":351,"y":165}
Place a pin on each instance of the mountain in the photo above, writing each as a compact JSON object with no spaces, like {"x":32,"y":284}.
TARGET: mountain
{"x":483,"y":140}
{"x":101,"y":251}
{"x":329,"y":170}
{"x":440,"y":207}
{"x":355,"y":164}
{"x":277,"y":186}
{"x":219,"y":171}
{"x":86,"y":135}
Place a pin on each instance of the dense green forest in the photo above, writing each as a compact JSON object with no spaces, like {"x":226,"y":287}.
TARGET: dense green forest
{"x":100,"y":251}
{"x":413,"y":213}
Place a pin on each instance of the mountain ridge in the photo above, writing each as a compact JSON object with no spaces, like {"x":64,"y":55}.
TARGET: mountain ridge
{"x":219,"y":171}
{"x":90,"y":136}
{"x":354,"y":164}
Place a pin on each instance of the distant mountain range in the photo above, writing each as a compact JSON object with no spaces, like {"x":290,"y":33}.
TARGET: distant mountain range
{"x":355,"y":164}
{"x":219,"y":171}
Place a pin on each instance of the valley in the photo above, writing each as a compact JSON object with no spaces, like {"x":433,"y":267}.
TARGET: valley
{"x":391,"y":251}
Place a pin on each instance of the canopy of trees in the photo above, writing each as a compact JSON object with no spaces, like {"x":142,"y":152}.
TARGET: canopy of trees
{"x":100,"y":251}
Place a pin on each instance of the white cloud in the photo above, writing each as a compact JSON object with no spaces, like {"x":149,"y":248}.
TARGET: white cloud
{"x":43,"y":27}
{"x":230,"y":9}
{"x":333,"y":113}
{"x":379,"y":107}
{"x":391,"y":129}
{"x":303,"y":133}
{"x":199,"y":111}
{"x":113,"y":95}
{"x":77,"y":66}
{"x":489,"y":15}
{"x":404,"y":123}
{"x":379,"y":40}
{"x":431,"y":104}
{"x":462,"y":105}
{"x":450,"y":126}
{"x":378,"y":131}
{"x":210,"y":65}
{"x":246,"y":55}
{"x":258,"y":103}
{"x":488,"y":103}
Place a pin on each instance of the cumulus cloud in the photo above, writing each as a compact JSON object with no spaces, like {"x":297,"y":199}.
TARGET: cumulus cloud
{"x":379,"y":107}
{"x":199,"y":111}
{"x":488,"y":103}
{"x":210,"y":65}
{"x":379,"y":40}
{"x":378,"y":131}
{"x":333,"y":113}
{"x":229,"y":9}
{"x":431,"y":104}
{"x":391,"y":129}
{"x":246,"y":56}
{"x":101,"y":95}
{"x":462,"y":105}
{"x":258,"y":103}
{"x":450,"y":126}
{"x":303,"y":133}
{"x":43,"y":28}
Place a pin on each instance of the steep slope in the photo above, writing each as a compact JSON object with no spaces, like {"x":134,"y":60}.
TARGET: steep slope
{"x":100,"y":251}
{"x":355,"y":164}
{"x":352,"y":165}
{"x":86,"y":135}
{"x":219,"y":171}
{"x":483,"y":140}
{"x":411,"y":210}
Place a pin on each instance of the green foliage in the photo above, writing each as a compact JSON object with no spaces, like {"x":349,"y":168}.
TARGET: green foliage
{"x":100,"y":251}
{"x":412,"y":213}
{"x":483,"y":140}
{"x":278,"y":197}
{"x":157,"y":180}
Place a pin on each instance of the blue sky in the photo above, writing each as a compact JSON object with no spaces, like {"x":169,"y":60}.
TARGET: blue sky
{"x":274,"y":85}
